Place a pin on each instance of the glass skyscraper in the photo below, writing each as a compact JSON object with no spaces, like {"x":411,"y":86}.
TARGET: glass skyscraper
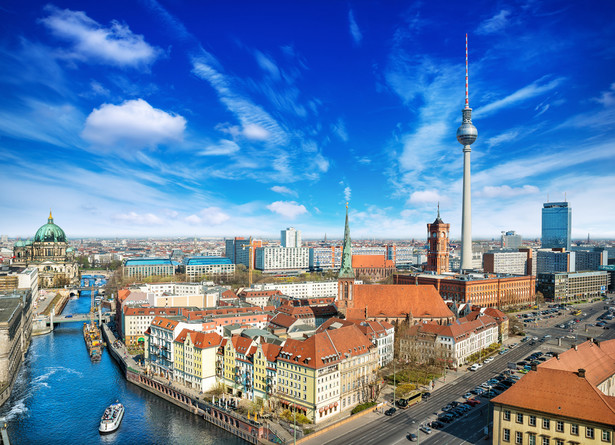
{"x":556,"y":225}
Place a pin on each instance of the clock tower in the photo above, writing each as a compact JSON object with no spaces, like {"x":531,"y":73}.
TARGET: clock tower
{"x":438,"y":257}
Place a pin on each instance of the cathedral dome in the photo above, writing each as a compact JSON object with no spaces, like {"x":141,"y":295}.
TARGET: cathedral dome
{"x":50,"y":233}
{"x":19,"y":243}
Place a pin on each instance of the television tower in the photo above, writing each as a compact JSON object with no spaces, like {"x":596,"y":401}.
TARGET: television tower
{"x":466,"y":135}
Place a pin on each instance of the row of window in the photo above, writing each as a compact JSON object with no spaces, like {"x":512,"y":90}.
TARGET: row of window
{"x":532,"y":438}
{"x":559,"y":425}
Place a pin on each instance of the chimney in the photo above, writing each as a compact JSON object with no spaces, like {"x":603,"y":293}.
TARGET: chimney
{"x":534,"y":367}
{"x":581,"y":373}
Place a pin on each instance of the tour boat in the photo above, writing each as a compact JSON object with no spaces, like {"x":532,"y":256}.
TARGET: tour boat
{"x":112,"y":418}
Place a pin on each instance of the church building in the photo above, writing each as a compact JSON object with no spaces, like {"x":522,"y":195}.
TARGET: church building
{"x":380,"y":302}
{"x":50,"y":253}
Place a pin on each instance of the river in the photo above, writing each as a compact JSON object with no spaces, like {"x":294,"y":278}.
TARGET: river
{"x":60,"y":395}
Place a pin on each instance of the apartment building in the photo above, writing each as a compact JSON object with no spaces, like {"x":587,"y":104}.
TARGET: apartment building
{"x":195,"y":359}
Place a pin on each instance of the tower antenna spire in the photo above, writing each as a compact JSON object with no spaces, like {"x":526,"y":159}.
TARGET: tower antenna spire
{"x":467,"y":101}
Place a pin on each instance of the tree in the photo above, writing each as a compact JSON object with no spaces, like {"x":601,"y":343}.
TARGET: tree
{"x":515,"y":326}
{"x":84,"y":262}
{"x":540,"y":298}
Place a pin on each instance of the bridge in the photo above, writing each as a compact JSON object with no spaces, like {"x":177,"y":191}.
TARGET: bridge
{"x":106,"y":317}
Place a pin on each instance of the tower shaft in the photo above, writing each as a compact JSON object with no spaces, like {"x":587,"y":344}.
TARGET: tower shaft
{"x":466,"y":213}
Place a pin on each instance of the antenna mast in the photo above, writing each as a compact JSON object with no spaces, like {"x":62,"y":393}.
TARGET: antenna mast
{"x":467,"y":101}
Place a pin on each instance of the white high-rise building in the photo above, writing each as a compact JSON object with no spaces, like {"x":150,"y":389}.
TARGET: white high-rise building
{"x":291,"y":237}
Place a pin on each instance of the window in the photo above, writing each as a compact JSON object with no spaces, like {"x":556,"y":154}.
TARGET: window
{"x":519,"y":418}
{"x":506,"y":437}
{"x":559,"y":441}
{"x":559,"y":426}
{"x":545,"y":441}
{"x":606,"y":436}
{"x":506,"y":414}
{"x":518,"y":437}
{"x":589,"y":432}
{"x":546,"y":423}
{"x":532,"y":421}
{"x":531,"y":440}
{"x":574,"y":429}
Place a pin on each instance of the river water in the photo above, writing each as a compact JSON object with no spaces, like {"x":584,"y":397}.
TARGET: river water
{"x":60,"y":395}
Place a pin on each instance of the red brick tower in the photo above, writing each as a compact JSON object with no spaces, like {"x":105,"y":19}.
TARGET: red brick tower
{"x":437,"y":258}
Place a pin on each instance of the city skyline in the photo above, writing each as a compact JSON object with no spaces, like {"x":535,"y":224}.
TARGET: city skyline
{"x":239,"y":119}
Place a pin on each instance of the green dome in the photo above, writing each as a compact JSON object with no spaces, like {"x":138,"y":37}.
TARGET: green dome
{"x":50,"y":233}
{"x":19,"y":243}
{"x":28,"y":243}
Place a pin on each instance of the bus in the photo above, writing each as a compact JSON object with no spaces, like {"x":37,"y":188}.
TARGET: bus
{"x":577,"y":312}
{"x":415,"y":398}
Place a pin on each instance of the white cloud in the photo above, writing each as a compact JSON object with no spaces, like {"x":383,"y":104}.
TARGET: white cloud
{"x":283,"y":190}
{"x":527,"y":92}
{"x":212,"y":216}
{"x":267,"y":65}
{"x":255,"y":132}
{"x":495,"y":24}
{"x":340,"y":129}
{"x":425,"y":197}
{"x":607,"y":98}
{"x":502,"y":138}
{"x":355,"y":32}
{"x":505,"y":191}
{"x":288,"y":209}
{"x":347,"y":193}
{"x":138,"y":218}
{"x":224,"y":147}
{"x":133,"y":123}
{"x":115,"y":45}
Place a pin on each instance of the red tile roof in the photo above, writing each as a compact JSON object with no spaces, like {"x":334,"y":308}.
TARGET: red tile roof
{"x":271,"y":351}
{"x":283,"y":320}
{"x":597,"y":360}
{"x":561,"y":393}
{"x":164,"y":323}
{"x":325,"y":348}
{"x":398,"y":301}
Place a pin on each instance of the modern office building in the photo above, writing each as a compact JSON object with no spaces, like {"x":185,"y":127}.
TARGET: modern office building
{"x":205,"y":267}
{"x":572,"y":286}
{"x":590,"y":259}
{"x":139,"y":268}
{"x":238,"y":250}
{"x":556,"y":225}
{"x":556,"y":260}
{"x":510,"y":240}
{"x":291,"y":237}
{"x":282,"y":259}
{"x":514,"y":263}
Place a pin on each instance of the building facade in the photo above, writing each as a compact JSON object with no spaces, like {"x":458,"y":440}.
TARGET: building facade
{"x":555,"y":260}
{"x":510,"y":240}
{"x":556,"y":225}
{"x":282,"y":259}
{"x":566,"y":287}
{"x":200,"y":268}
{"x":290,"y":237}
{"x":195,"y":359}
{"x":486,"y":290}
{"x":502,"y":262}
{"x":139,"y":268}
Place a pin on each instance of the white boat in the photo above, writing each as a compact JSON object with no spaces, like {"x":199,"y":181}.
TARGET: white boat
{"x":112,"y":418}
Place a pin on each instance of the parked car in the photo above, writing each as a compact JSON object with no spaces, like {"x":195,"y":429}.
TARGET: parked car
{"x":390,"y":411}
{"x":426,"y":429}
{"x":436,"y":424}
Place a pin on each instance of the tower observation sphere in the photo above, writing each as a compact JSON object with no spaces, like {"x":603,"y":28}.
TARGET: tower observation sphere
{"x":467,"y":132}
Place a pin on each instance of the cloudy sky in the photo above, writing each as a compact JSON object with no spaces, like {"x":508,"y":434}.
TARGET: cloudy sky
{"x":238,"y":118}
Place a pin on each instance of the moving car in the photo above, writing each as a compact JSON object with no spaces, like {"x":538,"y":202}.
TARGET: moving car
{"x":426,"y":429}
{"x":412,"y":437}
{"x":390,"y":412}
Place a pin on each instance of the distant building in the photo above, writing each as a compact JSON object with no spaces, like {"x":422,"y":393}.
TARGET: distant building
{"x":306,"y":289}
{"x":372,"y":267}
{"x":503,"y":262}
{"x":139,"y":268}
{"x":510,"y":240}
{"x":590,"y":259}
{"x":206,"y":267}
{"x":325,"y":258}
{"x":555,"y":260}
{"x":556,"y":225}
{"x":291,"y":237}
{"x":282,"y":259}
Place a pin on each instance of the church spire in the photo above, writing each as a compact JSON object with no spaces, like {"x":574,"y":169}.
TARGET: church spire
{"x":346,"y":267}
{"x":50,"y":220}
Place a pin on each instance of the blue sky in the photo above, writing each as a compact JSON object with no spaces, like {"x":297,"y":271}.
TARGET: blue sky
{"x":242,"y":118}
